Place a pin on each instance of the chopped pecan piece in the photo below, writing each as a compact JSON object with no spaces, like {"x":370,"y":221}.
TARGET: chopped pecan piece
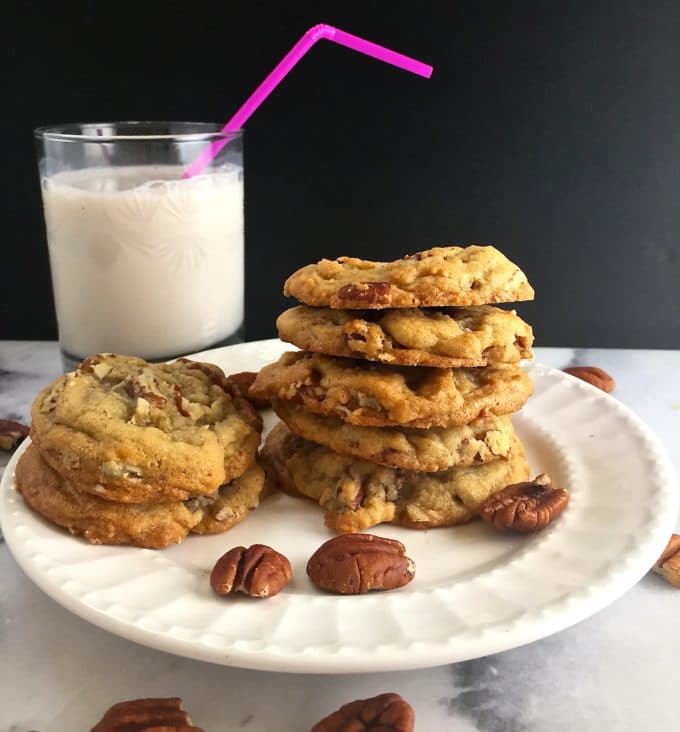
{"x":525,"y":507}
{"x":369,"y":294}
{"x":383,"y":713}
{"x":353,"y":564}
{"x":593,"y":375}
{"x":11,"y":433}
{"x":258,"y":571}
{"x":668,"y":564}
{"x":146,"y":715}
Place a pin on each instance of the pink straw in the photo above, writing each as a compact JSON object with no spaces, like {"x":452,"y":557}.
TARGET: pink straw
{"x":314,"y":34}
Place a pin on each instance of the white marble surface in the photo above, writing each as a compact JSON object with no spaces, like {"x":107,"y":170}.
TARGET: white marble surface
{"x":615,"y":671}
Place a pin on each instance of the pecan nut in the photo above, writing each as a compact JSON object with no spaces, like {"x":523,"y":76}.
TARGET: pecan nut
{"x":368,"y":294}
{"x":593,"y":375}
{"x":386,"y":712}
{"x":258,"y":571}
{"x":11,"y":433}
{"x":146,"y":715}
{"x":243,"y":381}
{"x":668,"y":564}
{"x":353,"y":564}
{"x":526,"y":507}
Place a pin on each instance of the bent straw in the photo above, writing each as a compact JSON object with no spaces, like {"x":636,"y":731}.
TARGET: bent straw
{"x":313,"y":35}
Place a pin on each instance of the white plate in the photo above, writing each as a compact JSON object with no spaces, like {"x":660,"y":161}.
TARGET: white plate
{"x":475,"y":592}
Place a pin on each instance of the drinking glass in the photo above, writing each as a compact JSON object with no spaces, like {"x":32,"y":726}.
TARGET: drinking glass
{"x":143,"y":261}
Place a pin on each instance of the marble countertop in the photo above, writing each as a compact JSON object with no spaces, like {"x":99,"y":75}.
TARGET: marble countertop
{"x":615,"y":671}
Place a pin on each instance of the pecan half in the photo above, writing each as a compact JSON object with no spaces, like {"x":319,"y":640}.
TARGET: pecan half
{"x":526,"y":507}
{"x":353,"y":564}
{"x":146,"y":715}
{"x":11,"y":433}
{"x":593,"y":375}
{"x":383,"y":713}
{"x":369,"y":294}
{"x":668,"y":564}
{"x":258,"y":571}
{"x":243,"y":381}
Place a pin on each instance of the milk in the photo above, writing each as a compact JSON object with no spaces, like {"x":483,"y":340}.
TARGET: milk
{"x":144,"y":263}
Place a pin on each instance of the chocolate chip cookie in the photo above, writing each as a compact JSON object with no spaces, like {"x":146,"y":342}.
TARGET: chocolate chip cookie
{"x":131,"y":431}
{"x":357,"y":494}
{"x":442,"y":276}
{"x":484,"y":439}
{"x":445,"y":337}
{"x":377,"y":395}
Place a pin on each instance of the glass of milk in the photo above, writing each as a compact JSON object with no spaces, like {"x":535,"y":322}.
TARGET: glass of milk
{"x":143,"y":262}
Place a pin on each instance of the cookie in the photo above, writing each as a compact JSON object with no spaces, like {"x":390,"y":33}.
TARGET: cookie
{"x":232,"y":503}
{"x":377,"y":395}
{"x":130,"y":431}
{"x":448,"y":337}
{"x":99,"y":521}
{"x":484,"y":439}
{"x":442,"y":276}
{"x":150,"y":525}
{"x":356,"y":494}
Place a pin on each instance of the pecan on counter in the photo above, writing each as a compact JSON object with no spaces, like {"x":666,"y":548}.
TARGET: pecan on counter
{"x":592,"y":375}
{"x":146,"y":715}
{"x":386,"y":712}
{"x":668,"y":564}
{"x":11,"y":433}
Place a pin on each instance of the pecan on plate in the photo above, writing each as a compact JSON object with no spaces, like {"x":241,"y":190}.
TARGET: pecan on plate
{"x":668,"y":564}
{"x":11,"y":433}
{"x":526,"y":507}
{"x":593,"y":375}
{"x":146,"y":715}
{"x":258,"y":571}
{"x":386,"y":712}
{"x":243,"y":381}
{"x":353,"y":564}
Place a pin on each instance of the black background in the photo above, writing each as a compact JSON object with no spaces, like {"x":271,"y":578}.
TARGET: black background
{"x":551,"y":129}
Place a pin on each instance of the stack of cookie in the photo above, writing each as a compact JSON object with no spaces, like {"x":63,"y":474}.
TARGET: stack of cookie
{"x":398,"y":407}
{"x":127,"y":452}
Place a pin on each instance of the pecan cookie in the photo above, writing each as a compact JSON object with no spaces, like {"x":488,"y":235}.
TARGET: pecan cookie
{"x":447,"y":337}
{"x":377,"y":395}
{"x":484,"y":439}
{"x":99,"y":521}
{"x":136,"y":432}
{"x":232,"y":503}
{"x":442,"y":276}
{"x":151,"y":525}
{"x":357,"y":494}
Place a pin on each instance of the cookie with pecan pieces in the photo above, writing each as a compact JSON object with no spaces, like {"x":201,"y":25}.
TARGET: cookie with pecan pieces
{"x":135,"y":432}
{"x":232,"y":503}
{"x":356,"y":494}
{"x":377,"y":395}
{"x":442,"y":337}
{"x":441,"y":276}
{"x":438,"y":448}
{"x":150,"y":525}
{"x":99,"y":521}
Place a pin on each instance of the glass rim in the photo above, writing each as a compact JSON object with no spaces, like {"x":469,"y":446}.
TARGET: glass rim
{"x":70,"y":132}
